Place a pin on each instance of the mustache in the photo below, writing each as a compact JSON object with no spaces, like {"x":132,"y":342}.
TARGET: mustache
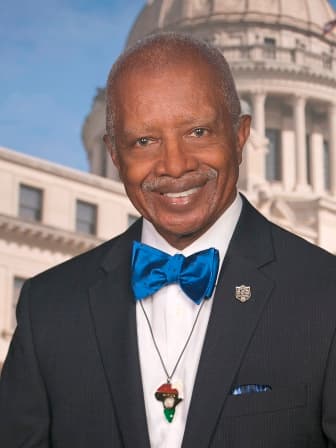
{"x":195,"y":178}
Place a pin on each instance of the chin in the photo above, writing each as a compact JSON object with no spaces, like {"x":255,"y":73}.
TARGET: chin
{"x":183,"y":231}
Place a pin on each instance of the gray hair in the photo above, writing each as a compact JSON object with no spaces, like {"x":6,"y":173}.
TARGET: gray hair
{"x":158,"y":50}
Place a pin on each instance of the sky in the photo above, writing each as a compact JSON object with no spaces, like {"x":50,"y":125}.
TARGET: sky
{"x":54,"y":55}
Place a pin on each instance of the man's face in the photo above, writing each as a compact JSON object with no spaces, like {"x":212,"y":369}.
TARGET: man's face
{"x":175,"y":148}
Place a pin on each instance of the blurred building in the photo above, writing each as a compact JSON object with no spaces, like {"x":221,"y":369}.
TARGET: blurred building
{"x":285,"y":69}
{"x":49,"y":213}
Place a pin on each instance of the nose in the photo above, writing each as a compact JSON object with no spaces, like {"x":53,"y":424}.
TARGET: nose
{"x":175,"y":159}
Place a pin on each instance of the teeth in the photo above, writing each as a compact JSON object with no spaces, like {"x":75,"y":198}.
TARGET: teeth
{"x":181,"y":194}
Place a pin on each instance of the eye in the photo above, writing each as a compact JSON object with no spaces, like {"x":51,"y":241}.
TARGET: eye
{"x":143,"y":141}
{"x":199,"y":132}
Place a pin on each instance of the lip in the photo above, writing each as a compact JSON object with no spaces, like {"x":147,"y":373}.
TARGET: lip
{"x":182,"y":194}
{"x":182,"y":198}
{"x":166,"y":184}
{"x":172,"y":188}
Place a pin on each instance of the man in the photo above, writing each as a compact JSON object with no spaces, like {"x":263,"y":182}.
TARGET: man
{"x":132,"y":344}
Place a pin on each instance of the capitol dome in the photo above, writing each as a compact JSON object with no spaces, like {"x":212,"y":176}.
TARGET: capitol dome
{"x":307,"y":15}
{"x":284,"y":66}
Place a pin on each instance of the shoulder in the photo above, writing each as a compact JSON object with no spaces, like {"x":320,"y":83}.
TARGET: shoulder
{"x":297,"y":267}
{"x":304,"y":274}
{"x":283,"y":245}
{"x":80,"y":272}
{"x":293,"y":249}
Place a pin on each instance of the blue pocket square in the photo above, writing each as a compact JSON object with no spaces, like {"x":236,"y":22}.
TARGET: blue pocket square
{"x":250,"y":388}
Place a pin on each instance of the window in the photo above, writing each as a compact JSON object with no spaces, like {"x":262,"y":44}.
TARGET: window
{"x":104,"y":161}
{"x":326,"y":160}
{"x":131,"y":219}
{"x":17,"y":286}
{"x":269,"y":48}
{"x":308,"y":158}
{"x":86,"y":218}
{"x":273,"y":157}
{"x":327,"y":61}
{"x":292,"y":54}
{"x":30,"y":203}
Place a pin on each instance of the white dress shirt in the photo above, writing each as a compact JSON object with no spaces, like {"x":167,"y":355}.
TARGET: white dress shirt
{"x":172,"y":314}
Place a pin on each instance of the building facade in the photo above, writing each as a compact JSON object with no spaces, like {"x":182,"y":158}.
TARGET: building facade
{"x":49,"y":213}
{"x":285,"y":70}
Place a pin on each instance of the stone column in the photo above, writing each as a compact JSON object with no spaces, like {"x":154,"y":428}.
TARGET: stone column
{"x":300,"y":143}
{"x":288,"y":161}
{"x":317,"y":161}
{"x":258,"y":124}
{"x":96,"y":158}
{"x":258,"y":118}
{"x":332,"y":146}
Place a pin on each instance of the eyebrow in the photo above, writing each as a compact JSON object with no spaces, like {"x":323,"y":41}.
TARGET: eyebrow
{"x":199,"y":120}
{"x":192,"y":120}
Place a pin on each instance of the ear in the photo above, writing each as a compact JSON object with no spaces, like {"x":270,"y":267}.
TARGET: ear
{"x":243,"y":133}
{"x":110,"y":145}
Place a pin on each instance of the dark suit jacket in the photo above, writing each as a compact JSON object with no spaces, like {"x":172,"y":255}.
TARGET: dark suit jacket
{"x":72,"y":379}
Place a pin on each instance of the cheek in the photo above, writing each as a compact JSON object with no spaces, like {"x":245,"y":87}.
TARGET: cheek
{"x":226,"y":165}
{"x":219,"y":155}
{"x":132,"y":175}
{"x":135,"y":170}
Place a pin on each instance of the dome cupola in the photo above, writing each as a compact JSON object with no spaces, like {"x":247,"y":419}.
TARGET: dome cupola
{"x":158,"y":15}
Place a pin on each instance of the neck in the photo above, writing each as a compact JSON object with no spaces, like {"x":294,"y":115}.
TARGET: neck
{"x":182,"y":241}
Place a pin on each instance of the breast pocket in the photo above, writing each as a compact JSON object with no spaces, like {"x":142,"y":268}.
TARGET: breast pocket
{"x":276,"y":419}
{"x":277,"y":399}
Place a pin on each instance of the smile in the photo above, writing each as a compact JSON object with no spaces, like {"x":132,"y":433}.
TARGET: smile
{"x":182,"y":194}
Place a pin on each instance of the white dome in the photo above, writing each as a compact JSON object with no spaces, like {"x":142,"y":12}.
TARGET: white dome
{"x":158,"y":15}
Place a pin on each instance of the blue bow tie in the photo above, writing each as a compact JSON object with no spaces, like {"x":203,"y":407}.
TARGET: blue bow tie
{"x":153,"y":269}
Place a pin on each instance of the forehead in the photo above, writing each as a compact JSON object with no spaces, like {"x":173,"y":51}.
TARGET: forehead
{"x":188,"y":86}
{"x":157,"y":62}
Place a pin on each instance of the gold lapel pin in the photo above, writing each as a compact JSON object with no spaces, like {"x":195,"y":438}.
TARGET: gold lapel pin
{"x":243,"y":293}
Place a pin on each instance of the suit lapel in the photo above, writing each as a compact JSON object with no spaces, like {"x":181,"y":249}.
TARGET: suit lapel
{"x":231,"y":324}
{"x":230,"y":329}
{"x":113,"y":311}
